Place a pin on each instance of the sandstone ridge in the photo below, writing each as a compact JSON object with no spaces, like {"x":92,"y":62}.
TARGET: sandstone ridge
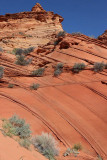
{"x":25,"y":29}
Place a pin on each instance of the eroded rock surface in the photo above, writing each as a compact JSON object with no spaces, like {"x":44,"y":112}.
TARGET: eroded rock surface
{"x":25,"y":29}
{"x":103,"y":37}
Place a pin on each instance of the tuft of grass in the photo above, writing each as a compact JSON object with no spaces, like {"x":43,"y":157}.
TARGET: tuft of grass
{"x":77,"y":147}
{"x":78,"y":67}
{"x":10,"y":85}
{"x":98,"y":66}
{"x":47,"y":145}
{"x":34,"y":86}
{"x":38,"y":72}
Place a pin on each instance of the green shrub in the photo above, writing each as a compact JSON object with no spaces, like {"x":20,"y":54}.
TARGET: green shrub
{"x":25,"y":143}
{"x":28,"y":50}
{"x":34,"y":86}
{"x":10,"y":85}
{"x":9,"y":129}
{"x":19,"y":51}
{"x":76,"y":33}
{"x":21,"y":128}
{"x":38,"y":72}
{"x":98,"y":66}
{"x":70,"y":151}
{"x":78,"y":67}
{"x":1,"y":72}
{"x":1,"y":50}
{"x":77,"y":147}
{"x":47,"y":145}
{"x":67,"y":152}
{"x":61,"y":34}
{"x":58,"y":69}
{"x":59,"y":66}
{"x":57,"y":72}
{"x":22,"y":61}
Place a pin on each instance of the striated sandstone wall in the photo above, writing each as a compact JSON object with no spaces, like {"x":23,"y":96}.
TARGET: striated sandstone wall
{"x":25,"y":29}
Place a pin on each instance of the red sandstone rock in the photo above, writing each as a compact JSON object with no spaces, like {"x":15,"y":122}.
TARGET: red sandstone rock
{"x":21,"y":30}
{"x":38,"y":8}
{"x":103,"y":37}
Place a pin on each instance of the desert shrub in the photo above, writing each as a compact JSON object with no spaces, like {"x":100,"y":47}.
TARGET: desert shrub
{"x":78,"y":67}
{"x":67,"y":152}
{"x":28,"y":50}
{"x":25,"y":143}
{"x":61,"y":34}
{"x":47,"y":145}
{"x":17,"y":51}
{"x":70,"y":151}
{"x":58,"y":69}
{"x":1,"y":50}
{"x":76,"y":33}
{"x":1,"y":72}
{"x":38,"y":72}
{"x":20,"y":51}
{"x":59,"y":66}
{"x":92,"y":36}
{"x":21,"y":128}
{"x":98,"y":66}
{"x":9,"y":129}
{"x":34,"y":86}
{"x":10,"y":85}
{"x":22,"y":61}
{"x":77,"y":147}
{"x":57,"y":72}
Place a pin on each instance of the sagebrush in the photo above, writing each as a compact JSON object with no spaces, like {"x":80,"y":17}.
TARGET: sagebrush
{"x":21,"y":60}
{"x":47,"y":145}
{"x":78,"y":67}
{"x":1,"y":72}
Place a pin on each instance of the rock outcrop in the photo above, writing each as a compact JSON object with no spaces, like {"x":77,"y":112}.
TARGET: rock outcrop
{"x":71,"y":106}
{"x":103,"y":37}
{"x":25,"y":29}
